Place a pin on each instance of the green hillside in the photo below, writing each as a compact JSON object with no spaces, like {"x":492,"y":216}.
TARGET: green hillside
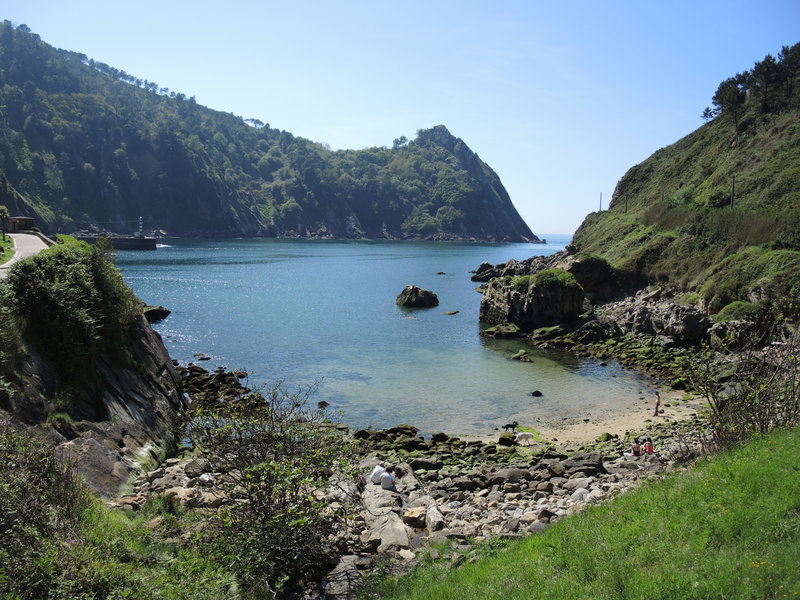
{"x":84,"y":145}
{"x":673,"y":220}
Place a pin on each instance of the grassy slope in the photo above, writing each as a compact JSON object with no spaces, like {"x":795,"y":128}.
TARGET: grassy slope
{"x":6,"y":249}
{"x":729,"y":528}
{"x":679,"y":226}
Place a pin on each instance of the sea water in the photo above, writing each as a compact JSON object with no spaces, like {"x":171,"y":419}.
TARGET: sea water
{"x":310,"y":311}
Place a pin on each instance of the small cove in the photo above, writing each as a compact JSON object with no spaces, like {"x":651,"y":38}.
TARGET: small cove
{"x":304,"y":311}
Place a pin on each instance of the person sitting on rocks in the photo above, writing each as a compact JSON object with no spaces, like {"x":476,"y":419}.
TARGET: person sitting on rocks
{"x":375,"y":476}
{"x":388,"y":482}
{"x":648,"y":446}
{"x":636,"y":449}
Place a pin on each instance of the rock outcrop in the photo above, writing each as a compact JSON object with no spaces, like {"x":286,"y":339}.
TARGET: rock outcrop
{"x":672,"y":324}
{"x":417,"y":297}
{"x":529,"y":308}
{"x":122,"y":421}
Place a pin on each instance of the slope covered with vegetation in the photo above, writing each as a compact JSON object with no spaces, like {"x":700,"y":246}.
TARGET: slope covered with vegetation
{"x":85,"y":145}
{"x":717,"y":213}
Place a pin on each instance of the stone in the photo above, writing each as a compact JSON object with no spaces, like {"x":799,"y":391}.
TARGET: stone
{"x":416,"y":297}
{"x":196,"y":467}
{"x":155,"y":314}
{"x":506,"y":439}
{"x":556,"y":468}
{"x":345,"y":581}
{"x":434,"y":519}
{"x":427,"y":463}
{"x":415,"y":517}
{"x":580,"y":494}
{"x":589,"y":464}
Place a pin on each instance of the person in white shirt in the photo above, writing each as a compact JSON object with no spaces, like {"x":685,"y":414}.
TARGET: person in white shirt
{"x":388,"y":482}
{"x":375,"y":476}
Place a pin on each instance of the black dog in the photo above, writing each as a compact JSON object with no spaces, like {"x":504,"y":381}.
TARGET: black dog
{"x":512,"y":426}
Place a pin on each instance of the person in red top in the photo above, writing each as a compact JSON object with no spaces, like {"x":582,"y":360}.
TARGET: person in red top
{"x":648,"y":446}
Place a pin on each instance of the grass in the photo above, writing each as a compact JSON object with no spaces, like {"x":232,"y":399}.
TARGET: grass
{"x":728,"y":528}
{"x":60,"y":542}
{"x":7,"y":248}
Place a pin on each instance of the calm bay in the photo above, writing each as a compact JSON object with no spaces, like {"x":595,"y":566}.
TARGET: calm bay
{"x":302,"y":311}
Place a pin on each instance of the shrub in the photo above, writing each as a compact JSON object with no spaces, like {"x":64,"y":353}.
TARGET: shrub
{"x":738,"y":311}
{"x":278,"y":453}
{"x":552,"y":278}
{"x":40,"y":497}
{"x":73,"y":303}
{"x":521,"y":283}
{"x":762,"y":390}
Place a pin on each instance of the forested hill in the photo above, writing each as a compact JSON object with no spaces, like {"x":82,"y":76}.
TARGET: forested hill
{"x":85,"y":146}
{"x":717,"y":214}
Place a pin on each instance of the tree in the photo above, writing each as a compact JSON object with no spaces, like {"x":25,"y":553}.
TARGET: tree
{"x":730,"y":98}
{"x":279,"y":456}
{"x":765,"y":81}
{"x":4,"y":219}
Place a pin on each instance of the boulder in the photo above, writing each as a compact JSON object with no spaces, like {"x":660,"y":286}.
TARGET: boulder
{"x":589,"y":464}
{"x":434,"y":519}
{"x":415,"y":517}
{"x":506,"y":439}
{"x":509,"y":475}
{"x":155,"y":314}
{"x":416,"y":297}
{"x":345,"y":581}
{"x":196,"y":467}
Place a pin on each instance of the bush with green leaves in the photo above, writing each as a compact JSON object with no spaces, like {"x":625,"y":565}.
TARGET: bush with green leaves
{"x":552,"y":278}
{"x":41,"y":498}
{"x":278,"y":454}
{"x":71,"y":303}
{"x":739,"y":311}
{"x":57,"y":542}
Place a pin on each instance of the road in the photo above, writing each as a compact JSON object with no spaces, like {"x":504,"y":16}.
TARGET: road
{"x":25,"y":244}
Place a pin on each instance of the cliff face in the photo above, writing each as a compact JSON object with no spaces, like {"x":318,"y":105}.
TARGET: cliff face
{"x":124,"y":420}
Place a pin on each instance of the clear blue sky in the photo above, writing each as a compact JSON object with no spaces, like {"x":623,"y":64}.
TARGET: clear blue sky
{"x":560,"y":98}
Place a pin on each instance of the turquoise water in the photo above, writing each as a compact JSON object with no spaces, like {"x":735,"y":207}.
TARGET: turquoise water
{"x":304,"y":311}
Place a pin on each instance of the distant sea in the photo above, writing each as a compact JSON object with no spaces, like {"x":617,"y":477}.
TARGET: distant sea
{"x":305,"y":311}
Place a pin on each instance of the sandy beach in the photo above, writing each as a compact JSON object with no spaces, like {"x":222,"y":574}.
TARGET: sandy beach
{"x":634,"y":415}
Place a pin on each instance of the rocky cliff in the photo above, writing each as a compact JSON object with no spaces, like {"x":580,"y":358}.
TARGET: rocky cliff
{"x":121,"y":422}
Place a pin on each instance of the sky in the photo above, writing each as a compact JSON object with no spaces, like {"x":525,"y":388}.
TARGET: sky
{"x":559,"y":98}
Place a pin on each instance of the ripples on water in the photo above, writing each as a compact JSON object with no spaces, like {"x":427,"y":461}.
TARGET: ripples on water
{"x":302,"y":311}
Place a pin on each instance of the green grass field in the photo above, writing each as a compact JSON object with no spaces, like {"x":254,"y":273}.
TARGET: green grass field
{"x":728,"y":528}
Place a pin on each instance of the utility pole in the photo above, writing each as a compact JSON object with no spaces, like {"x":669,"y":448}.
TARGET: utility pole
{"x":601,"y":201}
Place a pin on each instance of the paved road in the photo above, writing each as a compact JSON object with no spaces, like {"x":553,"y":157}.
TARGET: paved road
{"x":25,"y":244}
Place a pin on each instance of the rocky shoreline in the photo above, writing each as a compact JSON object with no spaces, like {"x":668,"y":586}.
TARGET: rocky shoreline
{"x":456,"y":491}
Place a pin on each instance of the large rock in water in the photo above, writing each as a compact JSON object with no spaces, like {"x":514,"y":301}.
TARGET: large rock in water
{"x":416,"y":297}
